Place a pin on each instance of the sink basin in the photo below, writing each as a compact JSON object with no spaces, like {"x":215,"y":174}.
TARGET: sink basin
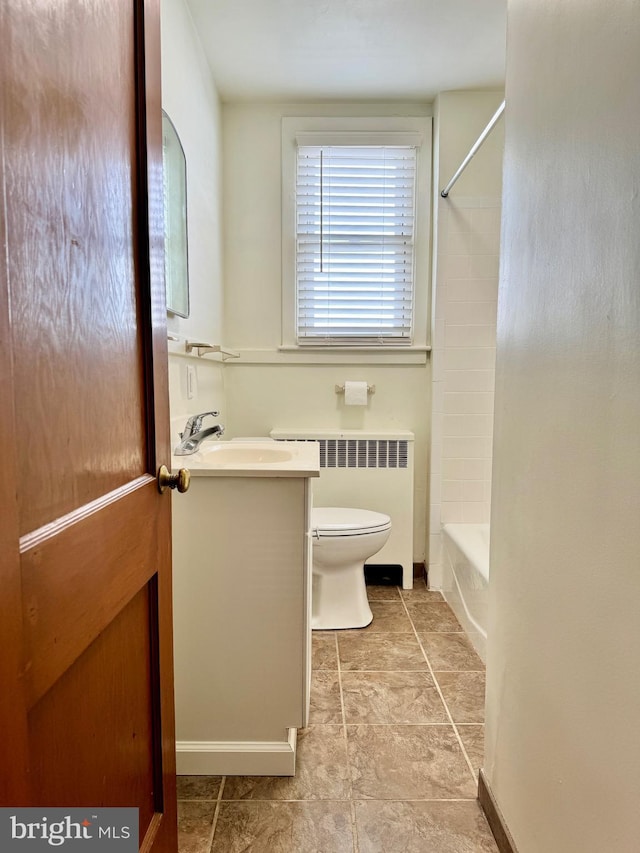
{"x":226,"y":454}
{"x":252,"y":458}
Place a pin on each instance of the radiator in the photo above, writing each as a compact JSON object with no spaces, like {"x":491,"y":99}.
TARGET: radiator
{"x":370,"y":470}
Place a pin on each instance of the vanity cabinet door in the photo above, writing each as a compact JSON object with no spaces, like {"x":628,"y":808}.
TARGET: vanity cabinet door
{"x":239,"y":593}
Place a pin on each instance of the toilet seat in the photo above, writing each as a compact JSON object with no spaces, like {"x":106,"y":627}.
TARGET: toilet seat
{"x":343,"y":539}
{"x":346,"y":521}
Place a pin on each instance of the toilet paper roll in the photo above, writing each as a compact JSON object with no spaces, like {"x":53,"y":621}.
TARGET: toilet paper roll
{"x":355,"y":394}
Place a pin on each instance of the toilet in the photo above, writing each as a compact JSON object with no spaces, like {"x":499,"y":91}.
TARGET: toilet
{"x":343,"y":539}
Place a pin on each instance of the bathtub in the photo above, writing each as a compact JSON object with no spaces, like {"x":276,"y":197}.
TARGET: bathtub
{"x":466,"y":578}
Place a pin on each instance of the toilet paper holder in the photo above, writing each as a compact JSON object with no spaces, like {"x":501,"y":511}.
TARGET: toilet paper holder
{"x":371,"y":389}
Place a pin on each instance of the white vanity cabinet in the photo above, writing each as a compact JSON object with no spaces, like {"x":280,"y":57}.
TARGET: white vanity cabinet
{"x":242,"y":602}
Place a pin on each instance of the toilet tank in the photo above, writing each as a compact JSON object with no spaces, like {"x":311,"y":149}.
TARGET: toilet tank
{"x":371,"y":470}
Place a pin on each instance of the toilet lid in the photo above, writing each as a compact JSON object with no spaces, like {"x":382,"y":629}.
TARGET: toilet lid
{"x":345,"y":521}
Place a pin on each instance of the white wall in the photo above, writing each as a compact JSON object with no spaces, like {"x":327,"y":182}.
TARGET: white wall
{"x":466,"y":250}
{"x":190,"y":99}
{"x":563,"y":675}
{"x":266,"y":388}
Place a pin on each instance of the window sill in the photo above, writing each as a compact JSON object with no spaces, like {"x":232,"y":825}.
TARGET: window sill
{"x":333,"y":355}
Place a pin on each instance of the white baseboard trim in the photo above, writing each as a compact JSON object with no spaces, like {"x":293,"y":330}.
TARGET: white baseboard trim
{"x":237,"y":758}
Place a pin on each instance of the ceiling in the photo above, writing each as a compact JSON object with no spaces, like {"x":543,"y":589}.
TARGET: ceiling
{"x":351,"y":49}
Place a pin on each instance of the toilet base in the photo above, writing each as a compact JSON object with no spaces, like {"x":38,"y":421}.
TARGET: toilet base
{"x":339,"y":598}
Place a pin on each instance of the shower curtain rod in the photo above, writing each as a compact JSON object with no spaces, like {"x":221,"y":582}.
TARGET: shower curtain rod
{"x":474,"y":150}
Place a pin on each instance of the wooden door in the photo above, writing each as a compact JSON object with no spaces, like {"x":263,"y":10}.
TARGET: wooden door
{"x":86,"y":703}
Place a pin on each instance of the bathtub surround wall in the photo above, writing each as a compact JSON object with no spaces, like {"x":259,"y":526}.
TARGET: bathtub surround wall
{"x":466,"y":251}
{"x":268,"y":388}
{"x":190,"y":99}
{"x":563,"y":669}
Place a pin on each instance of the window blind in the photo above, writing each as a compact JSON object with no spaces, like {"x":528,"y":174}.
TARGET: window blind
{"x":355,"y":212}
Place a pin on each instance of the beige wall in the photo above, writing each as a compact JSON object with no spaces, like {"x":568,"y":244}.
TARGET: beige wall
{"x":268,"y":388}
{"x":466,"y":250}
{"x":190,"y":99}
{"x":563,"y":675}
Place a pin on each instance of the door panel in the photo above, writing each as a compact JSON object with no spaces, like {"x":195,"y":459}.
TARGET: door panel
{"x":107,"y":694}
{"x":86,"y":653}
{"x":73,"y":157}
{"x":84,"y":574}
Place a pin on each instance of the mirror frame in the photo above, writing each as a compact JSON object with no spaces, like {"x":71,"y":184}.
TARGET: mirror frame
{"x":176,"y":241}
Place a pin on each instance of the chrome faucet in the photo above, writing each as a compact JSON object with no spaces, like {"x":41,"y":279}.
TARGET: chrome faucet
{"x":194,"y":435}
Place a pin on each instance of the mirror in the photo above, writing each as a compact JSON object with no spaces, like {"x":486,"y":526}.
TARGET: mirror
{"x":176,"y":265}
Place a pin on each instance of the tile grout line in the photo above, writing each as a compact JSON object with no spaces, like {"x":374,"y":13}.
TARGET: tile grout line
{"x":339,"y":669}
{"x":356,"y":800}
{"x":457,"y":671}
{"x":397,"y":725}
{"x":344,"y":719}
{"x":216,"y":813}
{"x":352,"y":808}
{"x":354,"y":827}
{"x":408,"y":671}
{"x":440,"y":693}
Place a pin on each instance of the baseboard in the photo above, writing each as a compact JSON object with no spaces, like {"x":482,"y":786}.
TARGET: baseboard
{"x":237,"y":758}
{"x":419,"y":571}
{"x":494,"y":817}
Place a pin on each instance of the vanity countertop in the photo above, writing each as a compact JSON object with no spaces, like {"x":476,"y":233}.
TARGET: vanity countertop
{"x":252,"y":459}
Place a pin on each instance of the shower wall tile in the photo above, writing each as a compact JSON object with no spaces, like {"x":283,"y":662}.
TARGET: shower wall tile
{"x":436,"y":492}
{"x":475,"y":469}
{"x":480,"y":289}
{"x":469,"y":336}
{"x":437,"y":433}
{"x":476,"y":513}
{"x":466,"y":447}
{"x":482,"y":244}
{"x":466,"y":403}
{"x":451,"y":512}
{"x":439,"y":307}
{"x":486,"y":220}
{"x":485,"y":267}
{"x":468,"y":424}
{"x":455,"y":266}
{"x":452,"y":490}
{"x":472,"y":490}
{"x":459,"y":218}
{"x":469,"y":380}
{"x":435,"y":548}
{"x":470,"y":358}
{"x":472,"y":313}
{"x":453,"y":469}
{"x":463,"y":368}
{"x":458,"y":242}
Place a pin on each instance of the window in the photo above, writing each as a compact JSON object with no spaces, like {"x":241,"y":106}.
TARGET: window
{"x":356,"y":237}
{"x":355,"y":214}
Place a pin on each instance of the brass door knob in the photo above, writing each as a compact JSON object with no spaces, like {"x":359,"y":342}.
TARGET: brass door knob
{"x":179,"y":481}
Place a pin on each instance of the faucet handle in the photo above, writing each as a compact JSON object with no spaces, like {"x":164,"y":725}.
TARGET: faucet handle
{"x":199,"y":418}
{"x":194,"y":424}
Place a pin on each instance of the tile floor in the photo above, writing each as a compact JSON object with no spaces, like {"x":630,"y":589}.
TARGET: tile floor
{"x":389,"y":760}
